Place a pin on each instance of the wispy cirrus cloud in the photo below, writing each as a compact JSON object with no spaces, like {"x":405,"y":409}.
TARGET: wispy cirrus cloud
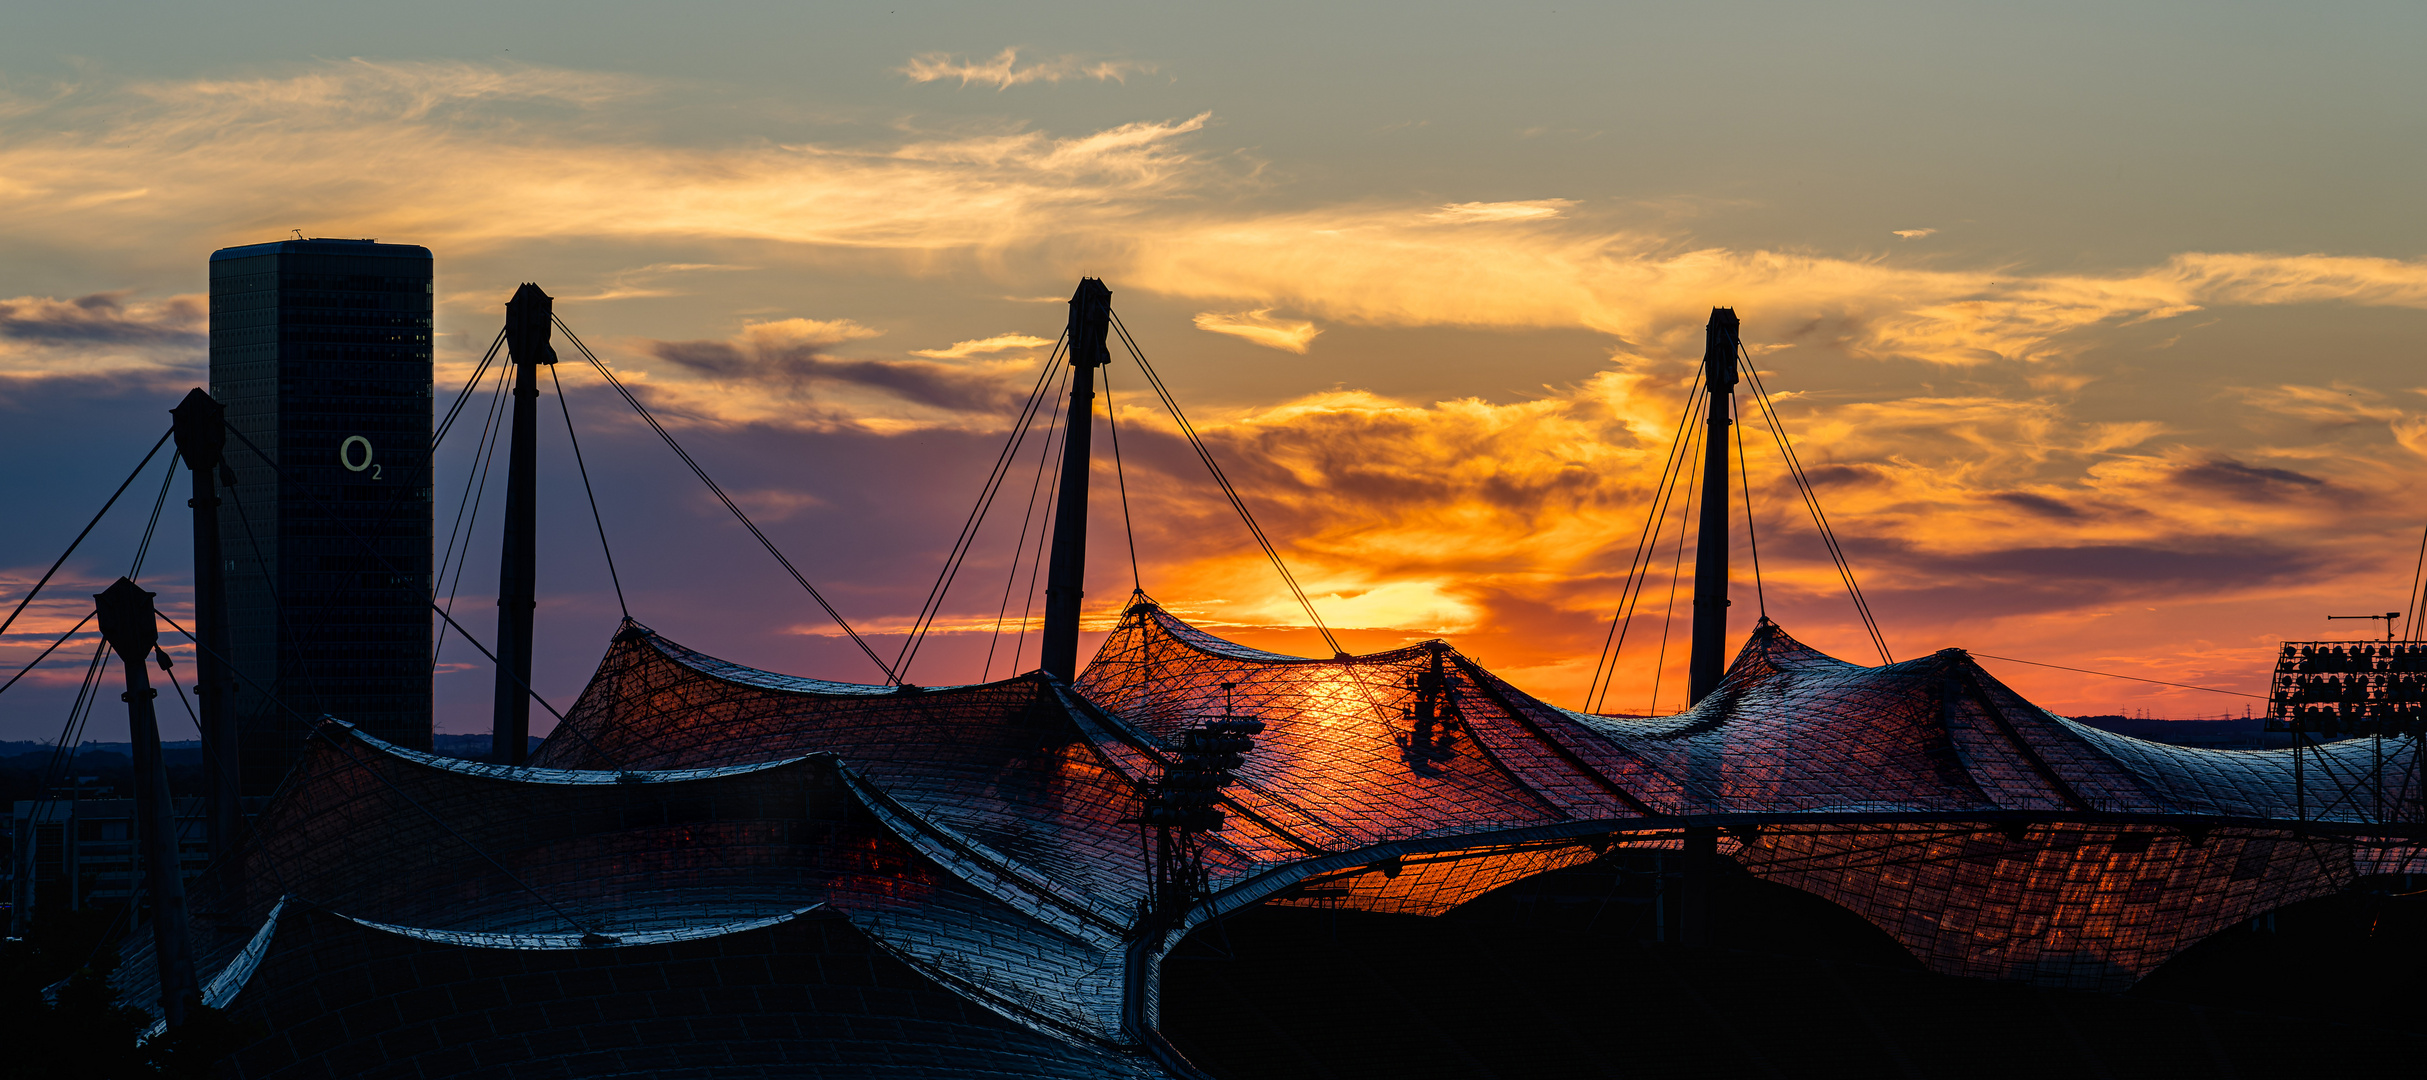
{"x":438,"y":152}
{"x":1397,"y":267}
{"x":1498,"y":521}
{"x":1003,"y":70}
{"x":414,"y":90}
{"x":1521,"y":210}
{"x":1260,"y":327}
{"x":646,"y":281}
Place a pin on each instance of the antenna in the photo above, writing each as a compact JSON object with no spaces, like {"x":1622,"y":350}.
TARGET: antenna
{"x":2387,"y":618}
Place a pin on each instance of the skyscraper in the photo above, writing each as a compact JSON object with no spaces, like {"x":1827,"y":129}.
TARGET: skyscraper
{"x":320,"y":349}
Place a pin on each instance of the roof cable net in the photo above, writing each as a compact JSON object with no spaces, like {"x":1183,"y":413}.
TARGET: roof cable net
{"x":984,"y":837}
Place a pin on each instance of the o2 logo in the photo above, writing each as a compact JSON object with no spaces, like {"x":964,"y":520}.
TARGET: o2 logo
{"x":345,"y":456}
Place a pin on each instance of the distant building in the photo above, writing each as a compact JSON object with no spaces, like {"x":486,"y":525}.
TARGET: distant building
{"x":320,"y":349}
{"x":71,"y":853}
{"x":2225,"y":733}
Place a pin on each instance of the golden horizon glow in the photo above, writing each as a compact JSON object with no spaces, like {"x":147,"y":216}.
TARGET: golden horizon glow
{"x":1950,"y":407}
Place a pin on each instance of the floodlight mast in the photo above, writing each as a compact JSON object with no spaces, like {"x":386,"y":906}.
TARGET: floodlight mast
{"x":2388,"y":618}
{"x":528,"y":316}
{"x":125,"y":613}
{"x":1090,"y":321}
{"x":1708,"y":661}
{"x":201,"y":432}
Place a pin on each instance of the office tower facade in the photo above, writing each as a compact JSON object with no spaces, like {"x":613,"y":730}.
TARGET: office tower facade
{"x":320,"y":349}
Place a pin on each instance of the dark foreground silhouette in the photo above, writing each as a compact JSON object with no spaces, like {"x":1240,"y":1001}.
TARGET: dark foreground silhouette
{"x":1561,"y":976}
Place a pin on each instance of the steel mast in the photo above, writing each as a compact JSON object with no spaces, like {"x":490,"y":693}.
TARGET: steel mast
{"x":1709,"y":659}
{"x":527,"y":328}
{"x":1708,"y":662}
{"x":202,"y":435}
{"x":128,"y":624}
{"x":1090,"y":320}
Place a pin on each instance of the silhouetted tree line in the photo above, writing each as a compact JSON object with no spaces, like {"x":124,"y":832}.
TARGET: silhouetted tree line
{"x":60,"y":1019}
{"x":25,"y":770}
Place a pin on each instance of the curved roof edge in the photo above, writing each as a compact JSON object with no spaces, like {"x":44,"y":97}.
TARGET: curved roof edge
{"x":475,"y":939}
{"x":744,"y":675}
{"x":231,"y":978}
{"x":526,"y":774}
{"x":1210,"y":644}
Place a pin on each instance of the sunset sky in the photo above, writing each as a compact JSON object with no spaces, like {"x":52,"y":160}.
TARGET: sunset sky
{"x":2099,"y":326}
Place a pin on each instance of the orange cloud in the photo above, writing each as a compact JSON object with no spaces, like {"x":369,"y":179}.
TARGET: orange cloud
{"x":1258,"y":326}
{"x":444,"y":153}
{"x":2008,"y":524}
{"x":999,"y":343}
{"x":1979,"y":509}
{"x":471,"y":157}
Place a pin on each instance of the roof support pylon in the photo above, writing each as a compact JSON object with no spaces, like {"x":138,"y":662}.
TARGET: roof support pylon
{"x":128,"y":623}
{"x":528,"y":318}
{"x":1090,"y":321}
{"x":201,"y":426}
{"x":1709,"y":658}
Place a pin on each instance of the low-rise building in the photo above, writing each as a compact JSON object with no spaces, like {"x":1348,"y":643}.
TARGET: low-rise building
{"x":76,"y":852}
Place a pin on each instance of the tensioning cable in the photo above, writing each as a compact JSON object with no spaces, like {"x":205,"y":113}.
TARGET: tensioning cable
{"x":88,"y":530}
{"x":407,"y":493}
{"x":1752,"y":539}
{"x":713,"y":489}
{"x":1036,"y":566}
{"x":1011,"y":575}
{"x":1811,"y":501}
{"x":595,"y":519}
{"x":71,"y":733}
{"x":1668,"y":615}
{"x":1112,"y":420}
{"x":561,"y":722}
{"x":475,"y":492}
{"x":151,"y":526}
{"x":2416,"y":611}
{"x":391,"y":568}
{"x":1205,"y":455}
{"x":1638,"y":567}
{"x":2112,"y":675}
{"x":465,"y":395}
{"x":80,"y":712}
{"x":933,"y":605}
{"x":46,"y":652}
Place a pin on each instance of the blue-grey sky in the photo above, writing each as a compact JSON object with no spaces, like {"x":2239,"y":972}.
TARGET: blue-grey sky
{"x":2100,"y":322}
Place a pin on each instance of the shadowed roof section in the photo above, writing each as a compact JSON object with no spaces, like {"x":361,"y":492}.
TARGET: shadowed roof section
{"x":805,"y":993}
{"x":984,"y":837}
{"x":534,"y":858}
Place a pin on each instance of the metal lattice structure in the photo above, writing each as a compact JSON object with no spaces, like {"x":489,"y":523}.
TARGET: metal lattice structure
{"x":985,"y":845}
{"x":1989,"y":836}
{"x":2336,"y":688}
{"x":713,"y":871}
